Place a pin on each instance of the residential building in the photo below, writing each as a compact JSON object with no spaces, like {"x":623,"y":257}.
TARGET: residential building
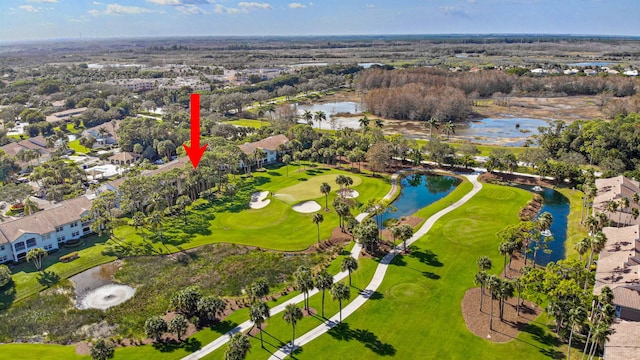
{"x":270,"y":146}
{"x":38,"y":143}
{"x":614,"y":189}
{"x":47,"y":229}
{"x":109,"y":138}
{"x":65,"y":115}
{"x":124,"y":158}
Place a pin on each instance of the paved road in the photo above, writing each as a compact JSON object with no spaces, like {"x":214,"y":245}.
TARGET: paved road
{"x":377,"y":277}
{"x":355,"y":252}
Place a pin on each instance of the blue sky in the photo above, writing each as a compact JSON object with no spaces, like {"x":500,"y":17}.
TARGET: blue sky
{"x":48,"y":19}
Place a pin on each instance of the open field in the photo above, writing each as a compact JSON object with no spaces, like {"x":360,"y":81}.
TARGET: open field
{"x":423,"y":291}
{"x":310,"y":189}
{"x":248,"y":123}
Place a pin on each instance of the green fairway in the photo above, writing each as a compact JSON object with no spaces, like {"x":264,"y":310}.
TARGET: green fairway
{"x":419,"y":316}
{"x":39,"y":351}
{"x":248,"y":123}
{"x":310,"y":188}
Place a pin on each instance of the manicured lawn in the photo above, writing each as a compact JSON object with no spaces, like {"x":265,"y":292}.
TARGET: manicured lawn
{"x":75,"y":145}
{"x":310,"y":189}
{"x":419,"y":316}
{"x":43,"y":352}
{"x":276,"y":226}
{"x":248,"y":123}
{"x":28,"y":281}
{"x":575,"y":230}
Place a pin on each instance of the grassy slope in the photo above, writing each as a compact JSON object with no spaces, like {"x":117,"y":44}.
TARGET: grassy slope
{"x":75,"y":145}
{"x":419,"y":316}
{"x":575,"y":230}
{"x":284,"y":228}
{"x":42,"y":352}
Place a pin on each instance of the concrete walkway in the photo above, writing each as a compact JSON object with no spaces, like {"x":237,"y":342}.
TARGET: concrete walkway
{"x":377,"y":277}
{"x":245,"y":326}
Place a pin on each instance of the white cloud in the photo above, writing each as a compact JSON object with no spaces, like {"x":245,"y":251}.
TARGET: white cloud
{"x":40,"y":1}
{"x":254,"y":5}
{"x":370,"y":6}
{"x":297,"y":6}
{"x":117,"y":9}
{"x":96,"y":3}
{"x":166,"y":2}
{"x":190,"y":10}
{"x":93,"y":12}
{"x":29,"y":8}
{"x":225,"y":10}
{"x":454,"y":11}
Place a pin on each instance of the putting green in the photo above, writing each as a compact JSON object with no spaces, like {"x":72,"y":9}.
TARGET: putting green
{"x":310,"y":188}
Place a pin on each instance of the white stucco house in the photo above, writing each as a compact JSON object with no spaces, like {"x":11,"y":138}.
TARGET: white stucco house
{"x":46,"y":229}
{"x":270,"y":147}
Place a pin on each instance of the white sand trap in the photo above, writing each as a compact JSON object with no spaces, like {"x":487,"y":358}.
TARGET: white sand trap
{"x":259,"y":200}
{"x":107,"y":296}
{"x":307,"y":207}
{"x":348,"y":193}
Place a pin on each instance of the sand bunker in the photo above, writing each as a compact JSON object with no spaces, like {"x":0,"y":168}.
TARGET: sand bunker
{"x":307,"y":207}
{"x":107,"y":296}
{"x":348,"y":193}
{"x":259,"y":200}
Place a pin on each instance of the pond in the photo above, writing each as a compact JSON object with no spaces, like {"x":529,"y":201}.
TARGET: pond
{"x":591,"y":63}
{"x":506,"y":132}
{"x":418,"y":191}
{"x":557,"y":205}
{"x":96,"y":289}
{"x":331,"y":109}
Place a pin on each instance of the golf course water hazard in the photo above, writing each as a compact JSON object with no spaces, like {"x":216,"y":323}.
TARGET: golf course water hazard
{"x":418,"y":191}
{"x":557,"y":205}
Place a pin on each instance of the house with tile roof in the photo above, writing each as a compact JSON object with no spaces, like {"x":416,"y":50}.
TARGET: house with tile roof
{"x":614,"y":189}
{"x":47,"y":229}
{"x":269,"y":145}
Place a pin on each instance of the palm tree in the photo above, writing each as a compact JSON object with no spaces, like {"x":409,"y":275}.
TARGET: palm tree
{"x":449,"y":128}
{"x":239,"y":346}
{"x":432,"y":123}
{"x":505,"y":291}
{"x":304,"y":283}
{"x":378,"y":123}
{"x":183,"y":201}
{"x":258,"y":313}
{"x":624,"y":204}
{"x":598,"y":242}
{"x":505,"y":249}
{"x":324,"y":281}
{"x":325,"y":188}
{"x":340,"y":291}
{"x":406,"y":232}
{"x":481,"y":279}
{"x":291,"y":315}
{"x":600,"y":336}
{"x":582,"y":246}
{"x":349,"y":264}
{"x":493,"y":282}
{"x":286,"y":159}
{"x":611,"y":207}
{"x":319,"y":116}
{"x":484,"y":263}
{"x":308,"y":117}
{"x":317,"y":219}
{"x":364,"y":122}
{"x":577,"y":316}
{"x":155,"y":220}
{"x":30,"y":207}
{"x":36,"y":255}
{"x":395,"y":233}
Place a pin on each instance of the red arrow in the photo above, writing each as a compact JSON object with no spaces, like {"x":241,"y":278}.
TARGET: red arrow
{"x":195,"y":151}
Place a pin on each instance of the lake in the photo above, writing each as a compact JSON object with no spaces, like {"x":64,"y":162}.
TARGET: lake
{"x":592,"y":63}
{"x":331,"y":109}
{"x":507,"y":132}
{"x":557,"y":205}
{"x":418,"y":191}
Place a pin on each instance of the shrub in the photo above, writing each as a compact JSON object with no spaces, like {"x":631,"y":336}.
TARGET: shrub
{"x":70,"y":256}
{"x":5,"y":275}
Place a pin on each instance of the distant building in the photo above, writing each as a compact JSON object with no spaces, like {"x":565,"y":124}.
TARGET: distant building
{"x":38,"y":143}
{"x":124,"y":158}
{"x":47,"y":229}
{"x":269,"y":145}
{"x":65,"y":115}
{"x":614,"y":189}
{"x":109,"y":138}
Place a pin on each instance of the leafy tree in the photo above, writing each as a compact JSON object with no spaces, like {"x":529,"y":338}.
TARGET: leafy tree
{"x":209,"y":307}
{"x":432,"y":123}
{"x":258,"y":313}
{"x":318,"y":219}
{"x":291,"y":315}
{"x":178,"y":325}
{"x":324,"y":281}
{"x":484,"y":263}
{"x":101,"y":212}
{"x":239,"y":346}
{"x":183,"y":201}
{"x":406,"y":232}
{"x":36,"y":255}
{"x":349,"y":264}
{"x":102,"y":350}
{"x":325,"y":188}
{"x":481,"y":279}
{"x":155,"y":327}
{"x":286,"y":159}
{"x":379,"y":157}
{"x":5,"y":275}
{"x":307,"y":116}
{"x":340,"y":292}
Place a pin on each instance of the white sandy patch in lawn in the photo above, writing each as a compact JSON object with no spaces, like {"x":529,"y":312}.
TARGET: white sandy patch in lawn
{"x":259,"y":200}
{"x":307,"y":207}
{"x":348,"y":193}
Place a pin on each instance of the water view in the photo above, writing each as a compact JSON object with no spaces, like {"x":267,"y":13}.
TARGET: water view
{"x":509,"y":132}
{"x":418,"y":191}
{"x":331,"y":109}
{"x":557,"y":205}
